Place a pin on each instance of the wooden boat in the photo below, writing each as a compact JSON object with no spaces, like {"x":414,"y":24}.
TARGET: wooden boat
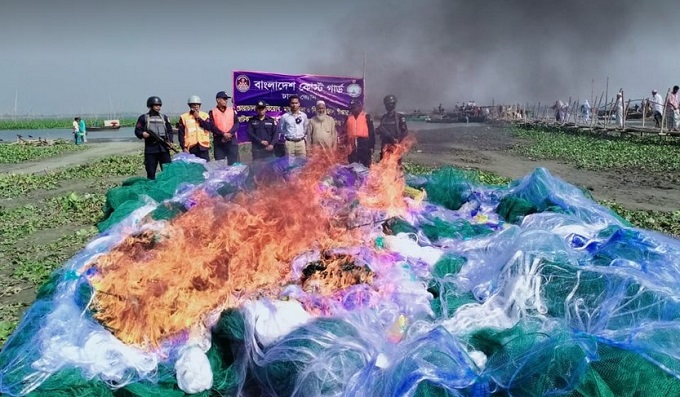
{"x":103,"y":128}
{"x":108,"y":125}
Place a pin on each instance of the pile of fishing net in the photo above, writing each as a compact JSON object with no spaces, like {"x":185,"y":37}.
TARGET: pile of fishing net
{"x":318,"y":279}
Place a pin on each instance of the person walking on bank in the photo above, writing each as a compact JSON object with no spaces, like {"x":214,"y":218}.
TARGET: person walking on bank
{"x":76,"y":130}
{"x":657,"y":107}
{"x":224,"y":126}
{"x":360,"y":135}
{"x":321,"y":129}
{"x":83,"y":129}
{"x":156,"y":130}
{"x":618,"y":110}
{"x":392,"y":129}
{"x":293,"y":127}
{"x":262,"y":132}
{"x":194,"y":130}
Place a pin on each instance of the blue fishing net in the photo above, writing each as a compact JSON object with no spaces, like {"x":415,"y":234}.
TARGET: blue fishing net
{"x":530,"y":289}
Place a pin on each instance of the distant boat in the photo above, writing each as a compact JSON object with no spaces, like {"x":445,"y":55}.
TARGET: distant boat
{"x":108,"y":125}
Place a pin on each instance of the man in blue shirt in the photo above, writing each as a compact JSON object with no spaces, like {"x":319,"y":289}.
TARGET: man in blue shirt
{"x":293,"y":127}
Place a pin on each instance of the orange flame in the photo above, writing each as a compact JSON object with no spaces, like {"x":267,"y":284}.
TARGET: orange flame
{"x":159,"y":284}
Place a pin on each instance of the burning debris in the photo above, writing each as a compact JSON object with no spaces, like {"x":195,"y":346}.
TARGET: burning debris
{"x":337,"y":279}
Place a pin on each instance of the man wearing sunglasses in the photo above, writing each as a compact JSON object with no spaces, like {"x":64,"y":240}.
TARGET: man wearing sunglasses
{"x":293,"y":127}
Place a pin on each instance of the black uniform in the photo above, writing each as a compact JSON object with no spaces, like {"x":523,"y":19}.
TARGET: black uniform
{"x":262,"y":130}
{"x":392,"y":130}
{"x":362,"y":149}
{"x":155,"y":152}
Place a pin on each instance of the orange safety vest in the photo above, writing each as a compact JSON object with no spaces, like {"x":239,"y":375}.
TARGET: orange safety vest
{"x":194,"y":134}
{"x":223,"y":120}
{"x":357,"y":127}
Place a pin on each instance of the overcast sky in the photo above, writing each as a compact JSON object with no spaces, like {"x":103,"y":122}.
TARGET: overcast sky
{"x":77,"y":56}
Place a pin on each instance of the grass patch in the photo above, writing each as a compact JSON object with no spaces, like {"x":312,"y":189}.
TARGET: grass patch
{"x":37,"y":238}
{"x":64,"y":123}
{"x":594,"y":152}
{"x":14,"y":153}
{"x":15,"y":185}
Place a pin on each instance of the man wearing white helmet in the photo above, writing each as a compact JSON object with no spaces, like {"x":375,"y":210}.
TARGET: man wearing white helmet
{"x":194,"y":130}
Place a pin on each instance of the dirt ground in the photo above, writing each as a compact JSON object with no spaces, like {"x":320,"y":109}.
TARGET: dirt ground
{"x":481,"y":146}
{"x":487,"y":147}
{"x":95,"y":151}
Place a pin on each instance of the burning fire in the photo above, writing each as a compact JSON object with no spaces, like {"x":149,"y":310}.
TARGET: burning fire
{"x":156,"y":285}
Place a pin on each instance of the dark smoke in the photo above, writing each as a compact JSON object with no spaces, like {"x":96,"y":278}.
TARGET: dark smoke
{"x":510,"y":51}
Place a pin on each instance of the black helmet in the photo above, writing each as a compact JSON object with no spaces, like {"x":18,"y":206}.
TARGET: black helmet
{"x":390,"y":99}
{"x":153,"y":100}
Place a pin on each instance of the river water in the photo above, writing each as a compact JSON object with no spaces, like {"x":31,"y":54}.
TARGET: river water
{"x":122,"y":134}
{"x":128,"y":134}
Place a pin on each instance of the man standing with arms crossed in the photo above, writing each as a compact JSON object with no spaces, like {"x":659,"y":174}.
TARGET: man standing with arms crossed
{"x":224,"y":126}
{"x":293,"y":127}
{"x":194,"y":130}
{"x":156,"y":130}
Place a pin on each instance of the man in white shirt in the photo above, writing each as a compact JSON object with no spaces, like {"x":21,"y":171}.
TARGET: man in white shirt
{"x":657,"y":107}
{"x":321,"y":130}
{"x":76,"y":130}
{"x":293,"y":128}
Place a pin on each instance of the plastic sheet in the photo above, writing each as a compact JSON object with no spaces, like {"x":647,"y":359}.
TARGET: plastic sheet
{"x":526,"y":290}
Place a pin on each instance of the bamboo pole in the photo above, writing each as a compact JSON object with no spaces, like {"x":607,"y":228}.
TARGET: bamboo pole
{"x":597,"y":114}
{"x":625,"y":110}
{"x":644,"y":114}
{"x":665,"y":109}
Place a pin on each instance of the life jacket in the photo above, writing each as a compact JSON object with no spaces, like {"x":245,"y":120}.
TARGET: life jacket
{"x":194,"y":134}
{"x":357,"y":127}
{"x":223,"y":120}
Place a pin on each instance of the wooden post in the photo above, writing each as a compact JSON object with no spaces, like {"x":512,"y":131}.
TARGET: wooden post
{"x":606,"y":96}
{"x":597,"y":112}
{"x":644,"y":113}
{"x":577,"y":111}
{"x":625,"y":109}
{"x":665,"y":107}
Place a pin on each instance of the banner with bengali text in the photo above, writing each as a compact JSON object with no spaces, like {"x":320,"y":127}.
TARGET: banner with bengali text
{"x":275,"y":89}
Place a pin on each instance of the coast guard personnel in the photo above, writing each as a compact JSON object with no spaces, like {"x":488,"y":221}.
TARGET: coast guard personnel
{"x":156,"y":130}
{"x":360,"y":134}
{"x":392,"y":129}
{"x":194,"y":130}
{"x":262,"y":132}
{"x":224,"y":126}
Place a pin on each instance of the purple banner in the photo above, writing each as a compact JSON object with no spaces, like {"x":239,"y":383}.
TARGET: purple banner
{"x":275,"y":89}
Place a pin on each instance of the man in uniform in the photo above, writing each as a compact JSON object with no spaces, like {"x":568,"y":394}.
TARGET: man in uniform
{"x":224,"y":126}
{"x":194,"y":130}
{"x":360,"y":134}
{"x":156,"y":130}
{"x":262,"y":132}
{"x":392,"y":129}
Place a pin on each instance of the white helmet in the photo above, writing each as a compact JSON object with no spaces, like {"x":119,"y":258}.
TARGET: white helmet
{"x":193,"y":99}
